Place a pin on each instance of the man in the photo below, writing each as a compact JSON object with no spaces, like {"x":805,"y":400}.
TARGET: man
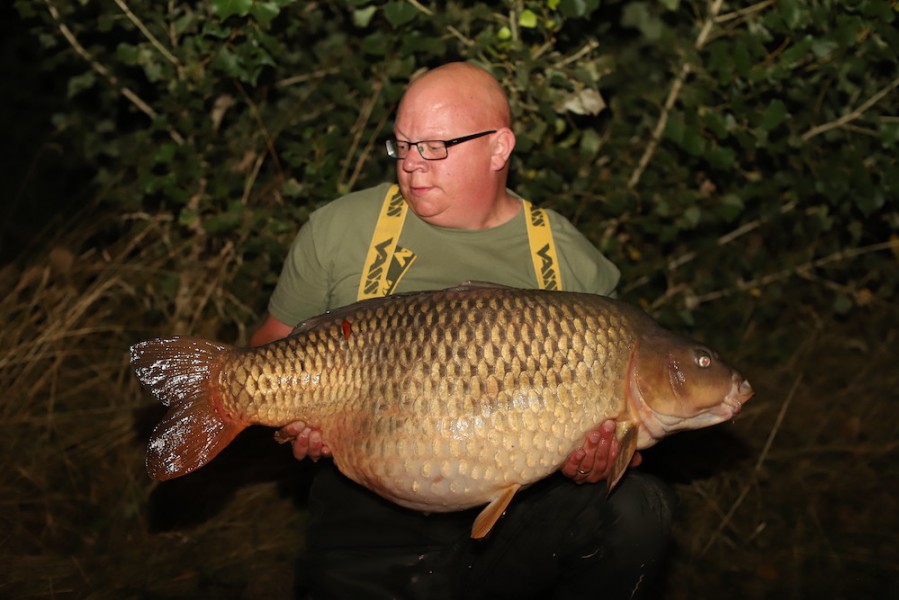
{"x":452,"y":219}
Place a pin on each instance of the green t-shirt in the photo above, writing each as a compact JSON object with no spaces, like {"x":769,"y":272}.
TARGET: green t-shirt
{"x":325,"y":262}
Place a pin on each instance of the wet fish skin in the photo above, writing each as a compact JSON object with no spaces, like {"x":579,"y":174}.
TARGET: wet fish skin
{"x":443,"y":400}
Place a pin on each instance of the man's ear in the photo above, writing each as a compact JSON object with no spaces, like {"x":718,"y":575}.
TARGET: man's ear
{"x":503,"y":144}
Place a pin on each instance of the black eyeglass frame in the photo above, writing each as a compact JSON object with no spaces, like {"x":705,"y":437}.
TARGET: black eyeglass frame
{"x":393,"y":150}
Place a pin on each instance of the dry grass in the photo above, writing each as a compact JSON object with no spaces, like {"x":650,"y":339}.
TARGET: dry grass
{"x":797,"y":499}
{"x":810,"y":511}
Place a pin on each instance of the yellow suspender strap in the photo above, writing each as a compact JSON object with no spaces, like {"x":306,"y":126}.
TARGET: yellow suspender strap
{"x":543,"y":248}
{"x":373,"y":283}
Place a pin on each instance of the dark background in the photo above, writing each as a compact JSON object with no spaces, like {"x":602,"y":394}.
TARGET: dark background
{"x":777,"y":246}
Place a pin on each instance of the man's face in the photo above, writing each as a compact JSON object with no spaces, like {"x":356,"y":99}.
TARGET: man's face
{"x":451,"y":191}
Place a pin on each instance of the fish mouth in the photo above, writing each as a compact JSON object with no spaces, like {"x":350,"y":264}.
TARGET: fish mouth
{"x":739,"y":394}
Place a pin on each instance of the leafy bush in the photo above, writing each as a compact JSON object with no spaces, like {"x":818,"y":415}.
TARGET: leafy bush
{"x":713,"y":150}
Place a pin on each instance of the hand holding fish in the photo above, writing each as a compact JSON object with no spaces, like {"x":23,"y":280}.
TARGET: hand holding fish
{"x":593,"y":462}
{"x":306,"y":442}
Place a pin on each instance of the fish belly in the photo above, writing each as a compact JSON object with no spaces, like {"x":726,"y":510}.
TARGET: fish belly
{"x":453,"y":463}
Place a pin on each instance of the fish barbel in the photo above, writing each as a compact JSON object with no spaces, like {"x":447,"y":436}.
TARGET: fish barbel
{"x":445,"y":400}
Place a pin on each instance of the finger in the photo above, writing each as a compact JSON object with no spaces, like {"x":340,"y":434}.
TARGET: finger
{"x":301,"y":444}
{"x":573,"y":463}
{"x":604,"y":446}
{"x":587,"y":464}
{"x":315,"y":445}
{"x":290,"y":431}
{"x":603,"y":440}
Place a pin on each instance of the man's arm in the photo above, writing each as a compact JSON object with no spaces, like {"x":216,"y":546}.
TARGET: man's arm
{"x":271,"y":329}
{"x":307,"y":442}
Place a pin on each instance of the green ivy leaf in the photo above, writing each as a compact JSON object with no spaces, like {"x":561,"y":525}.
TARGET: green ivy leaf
{"x":692,"y":140}
{"x":226,"y":61}
{"x":187,"y":217}
{"x":842,"y":304}
{"x":79,"y":83}
{"x":774,"y":115}
{"x":889,"y":134}
{"x":165,"y":153}
{"x":692,"y":216}
{"x":363,"y":16}
{"x":227,"y":8}
{"x":638,"y":16}
{"x":577,"y":8}
{"x":265,"y":12}
{"x":590,"y":142}
{"x":730,"y":207}
{"x":527,"y":19}
{"x":225,"y":221}
{"x":183,"y":23}
{"x":399,"y":13}
{"x":674,"y":128}
{"x":375,"y":44}
{"x":127,"y":53}
{"x":721,"y":157}
{"x":823,"y":47}
{"x":428,"y":45}
{"x":791,"y":13}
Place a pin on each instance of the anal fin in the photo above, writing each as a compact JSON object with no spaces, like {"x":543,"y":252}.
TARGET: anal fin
{"x":492,"y":512}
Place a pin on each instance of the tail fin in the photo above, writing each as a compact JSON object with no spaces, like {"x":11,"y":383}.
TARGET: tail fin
{"x":177,"y":372}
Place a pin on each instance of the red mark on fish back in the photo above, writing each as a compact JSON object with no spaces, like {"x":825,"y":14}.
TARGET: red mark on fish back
{"x":347,"y":329}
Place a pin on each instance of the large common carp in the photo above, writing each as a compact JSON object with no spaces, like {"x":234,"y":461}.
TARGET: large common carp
{"x":441,"y":401}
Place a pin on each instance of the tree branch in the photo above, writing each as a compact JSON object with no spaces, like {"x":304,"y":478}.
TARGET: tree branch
{"x":104,"y":72}
{"x":725,"y":239}
{"x":853,"y":115}
{"x":320,"y":74}
{"x":143,"y":29}
{"x":673,"y":94}
{"x":797,"y":270}
{"x":587,"y":48}
{"x":359,"y":129}
{"x":736,"y":14}
{"x":421,"y":8}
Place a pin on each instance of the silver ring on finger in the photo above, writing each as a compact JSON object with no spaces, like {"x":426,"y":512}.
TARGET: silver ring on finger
{"x":582,"y":472}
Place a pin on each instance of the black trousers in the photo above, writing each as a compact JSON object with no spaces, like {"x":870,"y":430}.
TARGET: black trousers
{"x":556,"y":540}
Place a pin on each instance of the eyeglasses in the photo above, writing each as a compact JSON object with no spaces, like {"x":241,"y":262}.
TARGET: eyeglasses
{"x":429,"y":149}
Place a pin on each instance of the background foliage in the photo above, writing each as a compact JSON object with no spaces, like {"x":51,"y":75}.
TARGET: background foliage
{"x":694,"y":142}
{"x":738,"y":161}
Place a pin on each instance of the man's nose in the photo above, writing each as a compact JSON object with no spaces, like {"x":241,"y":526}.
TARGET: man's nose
{"x":413,"y":160}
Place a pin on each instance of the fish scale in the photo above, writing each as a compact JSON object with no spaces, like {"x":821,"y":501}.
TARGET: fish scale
{"x":445,"y":400}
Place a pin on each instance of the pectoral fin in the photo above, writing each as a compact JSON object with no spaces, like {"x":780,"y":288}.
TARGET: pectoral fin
{"x":492,"y":512}
{"x":627,"y":449}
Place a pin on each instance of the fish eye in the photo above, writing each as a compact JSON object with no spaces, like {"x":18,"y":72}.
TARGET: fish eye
{"x":703,"y":359}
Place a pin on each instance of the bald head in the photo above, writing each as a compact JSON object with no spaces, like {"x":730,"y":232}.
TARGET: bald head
{"x":470,"y":94}
{"x":467,"y":188}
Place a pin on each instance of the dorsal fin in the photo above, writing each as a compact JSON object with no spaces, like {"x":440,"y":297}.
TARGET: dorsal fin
{"x":338,"y":314}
